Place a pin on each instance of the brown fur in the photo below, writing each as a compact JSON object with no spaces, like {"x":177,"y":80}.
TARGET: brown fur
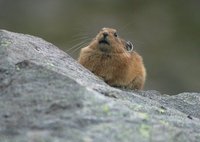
{"x":113,"y":62}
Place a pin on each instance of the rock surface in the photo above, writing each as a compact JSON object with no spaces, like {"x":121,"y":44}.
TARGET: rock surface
{"x":46,"y":96}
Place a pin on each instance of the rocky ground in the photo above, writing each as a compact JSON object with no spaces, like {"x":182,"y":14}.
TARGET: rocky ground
{"x":46,"y":96}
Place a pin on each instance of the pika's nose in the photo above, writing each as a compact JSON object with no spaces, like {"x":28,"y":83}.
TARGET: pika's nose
{"x":105,"y":34}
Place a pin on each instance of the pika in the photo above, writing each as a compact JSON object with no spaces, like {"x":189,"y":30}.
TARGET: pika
{"x":114,"y":60}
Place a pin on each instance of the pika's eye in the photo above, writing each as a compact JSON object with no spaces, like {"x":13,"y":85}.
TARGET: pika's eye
{"x":115,"y":34}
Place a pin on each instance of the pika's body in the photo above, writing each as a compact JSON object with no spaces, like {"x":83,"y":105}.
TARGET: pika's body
{"x":114,"y":60}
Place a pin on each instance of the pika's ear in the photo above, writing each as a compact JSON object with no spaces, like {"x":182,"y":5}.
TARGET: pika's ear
{"x":129,"y":46}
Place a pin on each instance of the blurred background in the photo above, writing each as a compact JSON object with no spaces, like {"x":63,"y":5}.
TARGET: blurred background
{"x":165,"y":33}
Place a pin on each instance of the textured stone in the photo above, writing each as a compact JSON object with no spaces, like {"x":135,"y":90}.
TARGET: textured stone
{"x":47,"y":96}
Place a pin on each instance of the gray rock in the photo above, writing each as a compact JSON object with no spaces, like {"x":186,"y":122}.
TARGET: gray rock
{"x":46,"y":96}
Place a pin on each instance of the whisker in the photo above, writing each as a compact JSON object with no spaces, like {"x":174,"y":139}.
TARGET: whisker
{"x":77,"y":45}
{"x":82,"y":45}
{"x":82,"y":35}
{"x":81,"y":39}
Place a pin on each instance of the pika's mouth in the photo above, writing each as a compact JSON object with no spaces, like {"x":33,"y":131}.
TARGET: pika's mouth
{"x":104,"y":41}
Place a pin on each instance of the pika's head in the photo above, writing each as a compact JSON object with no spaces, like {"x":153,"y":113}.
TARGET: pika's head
{"x":108,"y":41}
